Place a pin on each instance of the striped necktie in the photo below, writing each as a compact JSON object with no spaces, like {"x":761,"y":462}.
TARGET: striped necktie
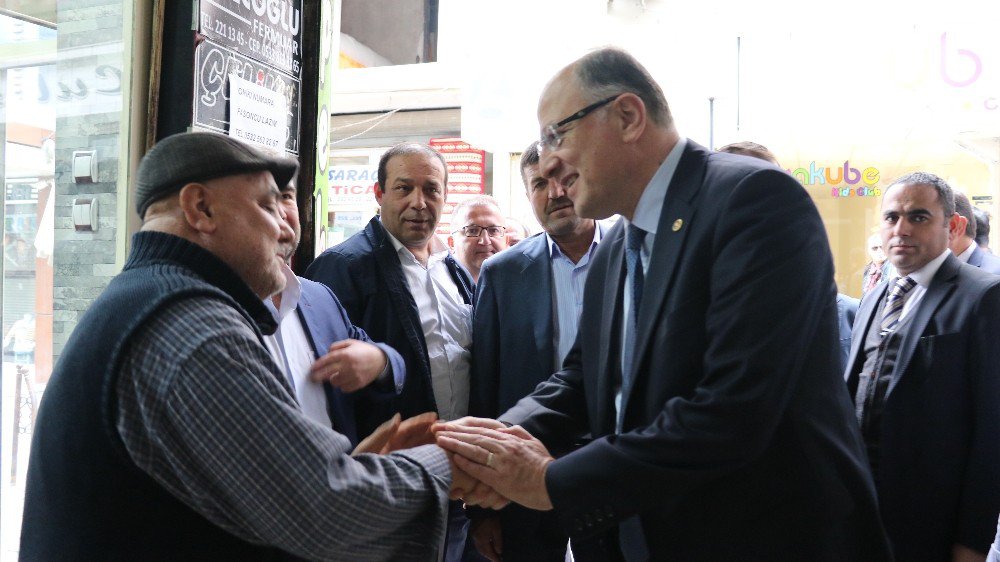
{"x":894,"y":303}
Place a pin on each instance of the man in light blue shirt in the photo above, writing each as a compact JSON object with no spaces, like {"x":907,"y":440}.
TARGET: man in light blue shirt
{"x":528,"y":303}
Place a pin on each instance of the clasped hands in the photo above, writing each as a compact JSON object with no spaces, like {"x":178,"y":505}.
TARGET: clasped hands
{"x":491,"y":464}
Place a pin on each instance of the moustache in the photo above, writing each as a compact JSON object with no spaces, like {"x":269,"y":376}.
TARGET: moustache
{"x":556,"y":204}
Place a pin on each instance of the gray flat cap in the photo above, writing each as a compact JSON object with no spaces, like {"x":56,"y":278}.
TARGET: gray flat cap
{"x":200,"y":156}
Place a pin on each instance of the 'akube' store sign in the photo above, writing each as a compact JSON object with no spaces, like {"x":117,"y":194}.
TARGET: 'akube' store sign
{"x":841,"y":180}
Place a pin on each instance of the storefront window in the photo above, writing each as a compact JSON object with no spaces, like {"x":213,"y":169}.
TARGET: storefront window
{"x":61,"y":91}
{"x":28,"y":123}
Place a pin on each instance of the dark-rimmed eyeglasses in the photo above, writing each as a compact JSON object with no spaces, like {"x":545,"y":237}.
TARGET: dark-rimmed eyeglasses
{"x":552,"y":138}
{"x":475,"y":231}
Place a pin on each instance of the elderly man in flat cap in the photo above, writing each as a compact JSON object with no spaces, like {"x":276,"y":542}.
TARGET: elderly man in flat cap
{"x":167,"y":431}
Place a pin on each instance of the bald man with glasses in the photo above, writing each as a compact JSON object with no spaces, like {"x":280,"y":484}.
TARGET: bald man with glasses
{"x":480,"y":233}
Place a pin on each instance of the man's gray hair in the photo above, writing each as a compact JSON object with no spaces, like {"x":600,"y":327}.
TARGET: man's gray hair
{"x":472,"y":202}
{"x":944,"y":191}
{"x":609,"y":71}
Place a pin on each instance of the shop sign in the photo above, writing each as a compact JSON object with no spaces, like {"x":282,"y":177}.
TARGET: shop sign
{"x":268,"y":31}
{"x":214,"y":64}
{"x":351,"y":186}
{"x":466,"y":175}
{"x":840,"y":181}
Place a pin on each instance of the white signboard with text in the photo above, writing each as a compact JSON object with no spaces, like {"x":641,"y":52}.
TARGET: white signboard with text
{"x":256,"y":114}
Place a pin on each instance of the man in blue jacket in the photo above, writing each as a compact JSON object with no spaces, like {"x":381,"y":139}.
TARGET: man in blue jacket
{"x":325,"y":357}
{"x":400,"y":283}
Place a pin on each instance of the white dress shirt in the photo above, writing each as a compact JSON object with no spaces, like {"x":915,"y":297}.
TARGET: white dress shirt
{"x":293,"y":353}
{"x":647,"y":217}
{"x":447,"y":325}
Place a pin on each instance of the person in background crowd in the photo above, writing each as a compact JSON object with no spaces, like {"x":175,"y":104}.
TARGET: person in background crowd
{"x":722,"y":429}
{"x":21,"y":339}
{"x":982,"y":229}
{"x":752,"y":149}
{"x":169,"y":432}
{"x":924,"y":371}
{"x":516,"y":231}
{"x":963,"y":238}
{"x":479,"y":232}
{"x":528,"y":304}
{"x":878,"y":269}
{"x":401,"y":284}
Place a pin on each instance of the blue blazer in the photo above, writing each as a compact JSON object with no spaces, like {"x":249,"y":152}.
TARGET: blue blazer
{"x":739,"y":440}
{"x":847,"y":309}
{"x":365,"y":273}
{"x":939,"y":449}
{"x":325,"y":322}
{"x":985,"y":261}
{"x":513,"y":320}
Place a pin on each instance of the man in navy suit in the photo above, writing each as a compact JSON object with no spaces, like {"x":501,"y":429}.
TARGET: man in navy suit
{"x":528,"y":304}
{"x":963,"y":238}
{"x":329,"y":361}
{"x":925,"y":373}
{"x":400,"y":283}
{"x":721,"y":427}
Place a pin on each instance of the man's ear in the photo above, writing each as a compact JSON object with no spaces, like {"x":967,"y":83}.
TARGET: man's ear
{"x":194,"y":199}
{"x":451,"y":242}
{"x":956,"y":226}
{"x":378,"y":194}
{"x":631,"y":114}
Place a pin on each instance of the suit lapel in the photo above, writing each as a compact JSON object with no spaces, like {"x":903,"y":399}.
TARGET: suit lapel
{"x":675,"y":222}
{"x":536,"y":271}
{"x":609,"y":327}
{"x":941,"y":286}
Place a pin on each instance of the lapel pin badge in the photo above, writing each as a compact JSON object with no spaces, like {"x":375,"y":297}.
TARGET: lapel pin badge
{"x":677,"y":225}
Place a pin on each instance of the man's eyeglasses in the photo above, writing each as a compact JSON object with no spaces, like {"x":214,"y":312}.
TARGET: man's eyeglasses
{"x":475,"y":231}
{"x":552,"y":138}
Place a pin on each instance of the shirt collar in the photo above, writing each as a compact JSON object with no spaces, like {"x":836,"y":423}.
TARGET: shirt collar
{"x":290,"y":295}
{"x":964,"y":256}
{"x":439,"y":251}
{"x":925,"y":274}
{"x":647,"y":212}
{"x":554,"y":250}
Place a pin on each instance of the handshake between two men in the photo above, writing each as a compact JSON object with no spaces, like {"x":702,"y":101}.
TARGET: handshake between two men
{"x":492,"y":464}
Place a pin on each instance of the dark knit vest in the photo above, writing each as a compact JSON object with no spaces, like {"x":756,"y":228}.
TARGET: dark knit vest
{"x":85,"y":498}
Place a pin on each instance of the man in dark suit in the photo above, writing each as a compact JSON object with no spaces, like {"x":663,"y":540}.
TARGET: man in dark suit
{"x":925,"y":372}
{"x":326,"y":378}
{"x":963,"y":238}
{"x":721,"y":428}
{"x":400,"y":283}
{"x":528,"y":304}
